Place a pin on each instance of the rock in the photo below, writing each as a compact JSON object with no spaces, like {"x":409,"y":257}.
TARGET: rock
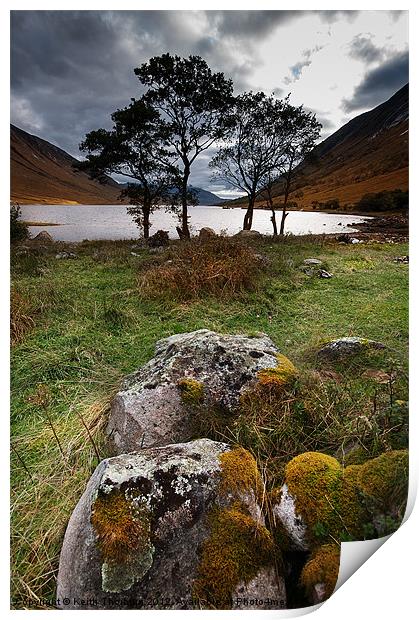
{"x":401,"y":259}
{"x":355,"y":240}
{"x":207,"y":233}
{"x":43,"y":237}
{"x":325,"y":274}
{"x":190,"y":375}
{"x":342,"y":347}
{"x":159,"y":239}
{"x":312,"y":261}
{"x":248,"y":234}
{"x":65,"y":255}
{"x":320,"y":573}
{"x":177,"y":527}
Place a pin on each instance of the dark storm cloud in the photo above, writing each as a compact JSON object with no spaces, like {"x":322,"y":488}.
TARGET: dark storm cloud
{"x":362,"y":48}
{"x":379,"y":84}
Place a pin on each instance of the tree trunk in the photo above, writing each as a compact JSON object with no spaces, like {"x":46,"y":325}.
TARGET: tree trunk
{"x":146,"y":221}
{"x":273,"y":220}
{"x":284,"y":215}
{"x":248,"y":218}
{"x":185,"y":230}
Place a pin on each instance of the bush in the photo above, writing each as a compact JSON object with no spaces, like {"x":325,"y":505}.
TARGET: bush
{"x":18,"y":229}
{"x":218,"y":266}
{"x":384,"y":201}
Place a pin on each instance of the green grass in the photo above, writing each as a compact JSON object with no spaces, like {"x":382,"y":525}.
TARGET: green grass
{"x":91,"y":327}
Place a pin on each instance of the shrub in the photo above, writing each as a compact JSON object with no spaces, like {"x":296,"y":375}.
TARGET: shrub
{"x":217,"y":266}
{"x":18,"y":229}
{"x":384,"y":201}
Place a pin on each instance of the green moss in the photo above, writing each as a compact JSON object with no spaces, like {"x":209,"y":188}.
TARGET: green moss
{"x":322,"y":567}
{"x":234,"y":552}
{"x":282,"y":374}
{"x":315,"y":481}
{"x":240,"y":474}
{"x":191,"y":391}
{"x":123,"y":537}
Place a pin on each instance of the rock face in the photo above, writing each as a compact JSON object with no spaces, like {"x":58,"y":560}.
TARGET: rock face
{"x":176,"y":527}
{"x":342,"y":347}
{"x":190,"y":373}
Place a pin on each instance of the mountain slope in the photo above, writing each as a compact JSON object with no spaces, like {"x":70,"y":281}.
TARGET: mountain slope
{"x":369,"y":154}
{"x":43,"y":173}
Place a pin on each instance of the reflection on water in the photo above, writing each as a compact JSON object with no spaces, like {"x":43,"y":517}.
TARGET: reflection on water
{"x":112,"y":221}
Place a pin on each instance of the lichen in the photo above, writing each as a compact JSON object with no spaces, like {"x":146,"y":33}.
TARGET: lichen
{"x":320,"y":573}
{"x":280,"y":375}
{"x":234,"y":552}
{"x":191,"y":391}
{"x":123,"y":537}
{"x":240,"y":474}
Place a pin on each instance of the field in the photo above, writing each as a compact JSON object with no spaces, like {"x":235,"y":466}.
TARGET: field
{"x":81,"y":324}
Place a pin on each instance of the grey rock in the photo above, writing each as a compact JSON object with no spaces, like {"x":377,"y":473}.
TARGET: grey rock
{"x":312,"y":261}
{"x":285,"y":513}
{"x":149,"y":409}
{"x":207,"y":233}
{"x":325,"y":274}
{"x":249,"y":234}
{"x":65,"y":255}
{"x":342,"y":347}
{"x":174,"y":490}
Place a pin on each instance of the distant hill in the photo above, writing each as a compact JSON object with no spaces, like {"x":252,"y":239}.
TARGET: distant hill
{"x":367,"y":155}
{"x":42,"y":173}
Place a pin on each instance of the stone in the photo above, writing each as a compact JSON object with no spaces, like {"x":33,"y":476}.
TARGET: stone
{"x":285,"y":513}
{"x":207,"y":233}
{"x":159,"y":239}
{"x":65,"y":255}
{"x":146,"y":533}
{"x":325,"y":274}
{"x":248,"y":234}
{"x":190,"y":374}
{"x":312,"y":261}
{"x":342,"y":347}
{"x":43,"y":237}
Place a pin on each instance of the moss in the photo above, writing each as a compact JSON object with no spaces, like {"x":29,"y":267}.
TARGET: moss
{"x":191,"y":391}
{"x":234,"y":552}
{"x":383,"y":482}
{"x":240,"y":474}
{"x":280,"y":375}
{"x":351,"y":508}
{"x":123,"y":537}
{"x":322,"y":568}
{"x":315,"y":481}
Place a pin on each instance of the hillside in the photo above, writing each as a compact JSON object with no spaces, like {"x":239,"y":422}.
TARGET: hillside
{"x":369,"y":154}
{"x":42,"y":173}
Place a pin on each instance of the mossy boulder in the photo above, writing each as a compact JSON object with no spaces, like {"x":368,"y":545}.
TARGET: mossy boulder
{"x":323,"y":502}
{"x":189,"y":375}
{"x":344,"y":347}
{"x":175,"y":527}
{"x":320,"y":573}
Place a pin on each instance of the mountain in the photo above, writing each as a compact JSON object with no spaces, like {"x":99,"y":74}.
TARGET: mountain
{"x":42,"y":173}
{"x":367,"y":155}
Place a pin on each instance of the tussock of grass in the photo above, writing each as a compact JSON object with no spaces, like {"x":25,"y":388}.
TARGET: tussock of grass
{"x":21,"y":319}
{"x":217,"y":266}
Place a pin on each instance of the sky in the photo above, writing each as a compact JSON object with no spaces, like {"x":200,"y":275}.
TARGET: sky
{"x":71,"y":69}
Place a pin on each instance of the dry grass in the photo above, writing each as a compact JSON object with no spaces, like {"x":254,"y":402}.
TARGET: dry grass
{"x":219,"y":266}
{"x":21,"y":319}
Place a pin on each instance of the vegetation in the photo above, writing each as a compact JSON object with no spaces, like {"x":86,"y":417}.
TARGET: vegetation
{"x":92,"y":325}
{"x":18,"y":229}
{"x":395,"y":200}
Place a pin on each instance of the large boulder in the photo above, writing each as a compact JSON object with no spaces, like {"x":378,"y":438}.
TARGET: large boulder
{"x":176,"y":527}
{"x":207,"y":233}
{"x":248,"y":234}
{"x":190,"y":375}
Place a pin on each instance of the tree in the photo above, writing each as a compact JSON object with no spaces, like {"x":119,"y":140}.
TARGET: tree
{"x":18,"y":229}
{"x":255,"y":146}
{"x":193,"y":104}
{"x":303,"y":132}
{"x":135,"y":148}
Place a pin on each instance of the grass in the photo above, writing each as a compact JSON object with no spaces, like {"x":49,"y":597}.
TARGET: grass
{"x":90,"y":325}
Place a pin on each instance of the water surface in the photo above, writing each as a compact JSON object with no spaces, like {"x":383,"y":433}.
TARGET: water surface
{"x":78,"y":222}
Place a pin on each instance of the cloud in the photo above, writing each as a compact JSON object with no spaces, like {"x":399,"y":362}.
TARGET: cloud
{"x":380,"y":83}
{"x":362,"y":48}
